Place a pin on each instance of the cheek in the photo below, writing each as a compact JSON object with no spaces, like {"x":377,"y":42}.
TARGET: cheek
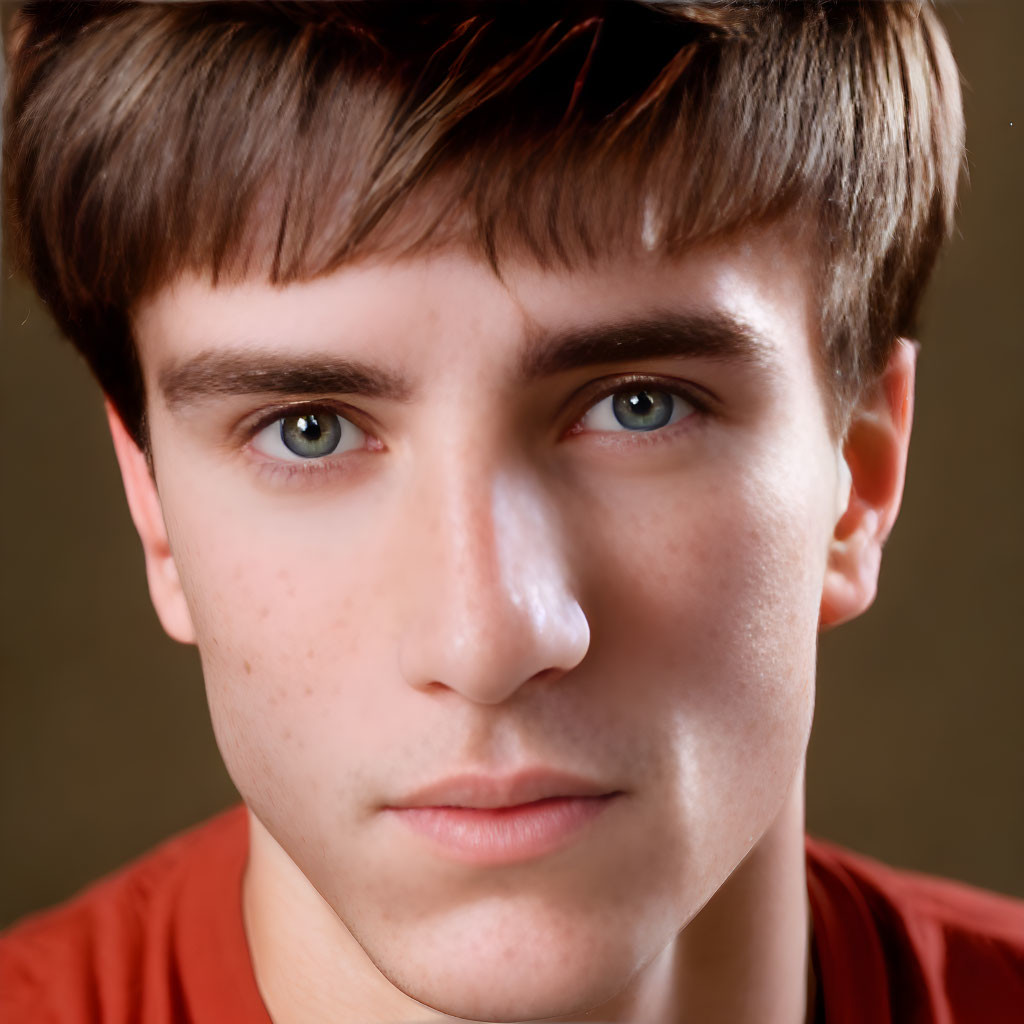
{"x":289,"y":628}
{"x":706,"y":612}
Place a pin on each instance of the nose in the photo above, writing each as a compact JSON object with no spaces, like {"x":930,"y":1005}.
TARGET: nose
{"x":492,"y":604}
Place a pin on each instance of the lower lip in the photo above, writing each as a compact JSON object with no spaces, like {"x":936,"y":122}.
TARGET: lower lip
{"x":504,"y":835}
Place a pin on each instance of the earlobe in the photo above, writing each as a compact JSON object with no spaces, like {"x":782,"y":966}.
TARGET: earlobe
{"x":144,"y":504}
{"x":875,"y":455}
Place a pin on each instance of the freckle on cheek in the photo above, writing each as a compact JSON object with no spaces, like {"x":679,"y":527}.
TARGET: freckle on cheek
{"x":308,"y":690}
{"x":278,"y":696}
{"x":248,"y":668}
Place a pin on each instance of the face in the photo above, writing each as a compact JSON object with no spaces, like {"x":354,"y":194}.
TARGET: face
{"x":506,"y":592}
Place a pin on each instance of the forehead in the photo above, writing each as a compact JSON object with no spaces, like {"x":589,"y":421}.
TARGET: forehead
{"x":431,"y":305}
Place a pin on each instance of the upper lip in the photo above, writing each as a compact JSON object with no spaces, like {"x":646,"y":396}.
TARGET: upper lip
{"x":492,"y":791}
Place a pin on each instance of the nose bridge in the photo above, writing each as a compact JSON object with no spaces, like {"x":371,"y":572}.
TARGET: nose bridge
{"x":517,"y":539}
{"x":494,"y":601}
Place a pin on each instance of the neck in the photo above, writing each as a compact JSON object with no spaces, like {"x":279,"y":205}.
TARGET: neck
{"x":743,"y":959}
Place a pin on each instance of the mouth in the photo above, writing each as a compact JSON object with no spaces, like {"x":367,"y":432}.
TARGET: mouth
{"x":487,"y":820}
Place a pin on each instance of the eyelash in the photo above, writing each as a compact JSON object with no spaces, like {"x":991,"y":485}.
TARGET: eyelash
{"x":304,"y":468}
{"x":699,"y":398}
{"x":589,"y":397}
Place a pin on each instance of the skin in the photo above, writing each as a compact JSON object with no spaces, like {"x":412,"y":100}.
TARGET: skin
{"x":500,"y":574}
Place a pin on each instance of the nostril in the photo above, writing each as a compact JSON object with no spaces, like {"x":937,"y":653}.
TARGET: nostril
{"x":435,"y":686}
{"x":547,"y":675}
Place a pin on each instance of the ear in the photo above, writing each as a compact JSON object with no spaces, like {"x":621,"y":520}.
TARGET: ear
{"x":875,"y":463}
{"x":144,"y":504}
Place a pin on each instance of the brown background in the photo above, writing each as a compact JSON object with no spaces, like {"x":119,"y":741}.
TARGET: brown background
{"x":917,"y":755}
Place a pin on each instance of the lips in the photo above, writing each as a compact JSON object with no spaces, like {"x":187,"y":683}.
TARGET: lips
{"x":488,"y":791}
{"x":490,"y":820}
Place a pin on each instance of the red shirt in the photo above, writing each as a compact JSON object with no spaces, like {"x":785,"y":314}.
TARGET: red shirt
{"x":162,"y":941}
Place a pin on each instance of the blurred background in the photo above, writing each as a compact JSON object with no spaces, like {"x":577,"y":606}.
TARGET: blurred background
{"x":918,"y":751}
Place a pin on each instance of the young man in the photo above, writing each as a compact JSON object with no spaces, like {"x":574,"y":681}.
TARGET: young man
{"x":505,"y":395}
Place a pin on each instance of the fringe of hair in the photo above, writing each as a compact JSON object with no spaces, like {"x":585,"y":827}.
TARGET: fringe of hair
{"x":287,"y":140}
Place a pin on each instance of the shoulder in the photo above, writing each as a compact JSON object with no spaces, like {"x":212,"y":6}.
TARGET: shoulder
{"x":957,"y":909}
{"x":119,"y":950}
{"x":927,"y":942}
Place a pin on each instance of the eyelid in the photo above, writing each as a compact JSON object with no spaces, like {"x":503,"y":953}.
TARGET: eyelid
{"x":293,"y":472}
{"x":252,"y":423}
{"x":701,"y":398}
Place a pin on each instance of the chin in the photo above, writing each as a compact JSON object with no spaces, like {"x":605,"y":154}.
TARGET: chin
{"x":507,"y":996}
{"x":508,"y":967}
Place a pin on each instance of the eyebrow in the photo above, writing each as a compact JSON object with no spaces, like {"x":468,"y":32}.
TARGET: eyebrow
{"x":258,"y":371}
{"x":714,"y":335}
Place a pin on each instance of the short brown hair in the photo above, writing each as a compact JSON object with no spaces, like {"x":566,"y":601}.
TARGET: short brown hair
{"x":288,"y":139}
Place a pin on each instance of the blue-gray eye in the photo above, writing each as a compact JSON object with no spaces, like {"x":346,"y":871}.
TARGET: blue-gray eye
{"x":311,"y":435}
{"x":643,"y":410}
{"x":308,"y":434}
{"x":636,"y":410}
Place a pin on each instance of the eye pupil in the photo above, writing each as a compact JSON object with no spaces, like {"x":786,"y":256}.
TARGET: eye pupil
{"x":641,"y":403}
{"x":309,"y":427}
{"x":643,"y":410}
{"x":311,"y":435}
